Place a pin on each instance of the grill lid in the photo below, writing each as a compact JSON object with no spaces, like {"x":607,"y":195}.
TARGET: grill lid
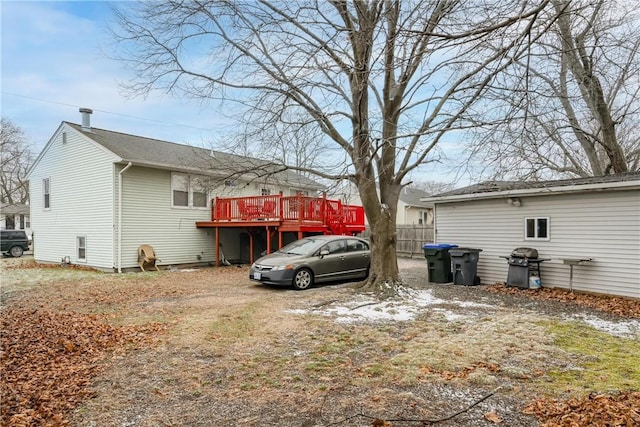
{"x":525,"y":253}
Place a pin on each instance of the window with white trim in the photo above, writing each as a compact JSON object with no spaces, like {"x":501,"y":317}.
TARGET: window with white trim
{"x":189,"y":191}
{"x":46,"y":193}
{"x":81,"y":244}
{"x":180,"y":189}
{"x":199,"y":191}
{"x":536,"y":228}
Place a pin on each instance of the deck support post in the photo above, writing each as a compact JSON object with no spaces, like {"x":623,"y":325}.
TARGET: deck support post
{"x":268,"y":240}
{"x":217,"y":246}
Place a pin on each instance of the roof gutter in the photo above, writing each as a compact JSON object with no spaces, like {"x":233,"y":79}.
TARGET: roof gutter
{"x":620,"y":185}
{"x":120,"y":215}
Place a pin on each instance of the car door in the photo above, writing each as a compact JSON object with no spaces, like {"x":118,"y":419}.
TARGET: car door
{"x":331,"y":266}
{"x":357,"y":258}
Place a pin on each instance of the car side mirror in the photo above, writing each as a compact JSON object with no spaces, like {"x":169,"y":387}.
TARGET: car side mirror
{"x":323,"y":253}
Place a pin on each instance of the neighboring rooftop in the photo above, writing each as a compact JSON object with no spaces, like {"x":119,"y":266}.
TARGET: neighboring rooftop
{"x":500,"y":186}
{"x":412,"y":196}
{"x":16,"y":209}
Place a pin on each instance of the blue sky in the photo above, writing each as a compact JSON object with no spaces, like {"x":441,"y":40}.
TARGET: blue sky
{"x":52,"y":64}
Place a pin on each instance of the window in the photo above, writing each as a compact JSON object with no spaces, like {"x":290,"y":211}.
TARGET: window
{"x":356,"y":246}
{"x":231,"y":183}
{"x":536,"y":229}
{"x":199,"y":191}
{"x":46,"y":202}
{"x":180,"y":188}
{"x":189,"y":190}
{"x":335,"y":247}
{"x":423,"y":217}
{"x":81,"y":243}
{"x":265,"y":191}
{"x":21,"y":222}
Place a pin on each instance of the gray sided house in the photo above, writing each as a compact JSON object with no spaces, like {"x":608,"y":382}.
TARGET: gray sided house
{"x":97,"y":195}
{"x":597,"y":218}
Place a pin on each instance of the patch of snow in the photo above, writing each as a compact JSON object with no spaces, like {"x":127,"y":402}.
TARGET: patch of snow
{"x":405,"y":307}
{"x":622,"y":328}
{"x":451,"y":316}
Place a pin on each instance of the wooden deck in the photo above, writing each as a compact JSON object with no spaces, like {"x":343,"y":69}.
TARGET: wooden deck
{"x":280,"y":214}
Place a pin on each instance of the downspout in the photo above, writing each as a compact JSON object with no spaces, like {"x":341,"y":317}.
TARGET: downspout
{"x":120,"y":216}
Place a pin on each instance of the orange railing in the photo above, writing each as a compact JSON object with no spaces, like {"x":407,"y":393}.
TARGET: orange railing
{"x":341,"y":219}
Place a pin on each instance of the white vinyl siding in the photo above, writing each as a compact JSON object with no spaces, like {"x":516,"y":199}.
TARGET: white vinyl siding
{"x":81,"y":196}
{"x":603,"y":225}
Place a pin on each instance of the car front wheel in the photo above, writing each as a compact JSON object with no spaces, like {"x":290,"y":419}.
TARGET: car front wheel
{"x":15,"y":251}
{"x":303,"y":279}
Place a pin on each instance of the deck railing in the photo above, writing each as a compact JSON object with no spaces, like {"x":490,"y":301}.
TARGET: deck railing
{"x":299,"y":208}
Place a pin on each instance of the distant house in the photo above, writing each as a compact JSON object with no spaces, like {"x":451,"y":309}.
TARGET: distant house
{"x":15,"y":217}
{"x":96,"y":195}
{"x":411,"y":209}
{"x":597,"y":218}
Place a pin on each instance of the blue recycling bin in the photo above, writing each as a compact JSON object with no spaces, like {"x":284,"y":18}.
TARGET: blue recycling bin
{"x":438,"y":262}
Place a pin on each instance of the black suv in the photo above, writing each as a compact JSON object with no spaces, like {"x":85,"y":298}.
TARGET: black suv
{"x":13,"y":242}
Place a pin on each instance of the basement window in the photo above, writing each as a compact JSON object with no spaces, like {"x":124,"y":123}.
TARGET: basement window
{"x":536,"y":228}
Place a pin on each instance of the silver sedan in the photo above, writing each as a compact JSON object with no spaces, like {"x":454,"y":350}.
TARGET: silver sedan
{"x":314,"y":259}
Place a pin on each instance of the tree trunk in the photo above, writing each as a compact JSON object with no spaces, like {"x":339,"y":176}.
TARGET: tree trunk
{"x":384,"y":276}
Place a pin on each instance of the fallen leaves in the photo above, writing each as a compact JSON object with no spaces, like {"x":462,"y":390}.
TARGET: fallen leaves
{"x":596,"y":410}
{"x":492,"y":417}
{"x":48,"y":359}
{"x":462,"y":373}
{"x":624,"y":307}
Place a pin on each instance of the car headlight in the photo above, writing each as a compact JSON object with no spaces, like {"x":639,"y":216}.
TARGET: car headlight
{"x":282,"y":267}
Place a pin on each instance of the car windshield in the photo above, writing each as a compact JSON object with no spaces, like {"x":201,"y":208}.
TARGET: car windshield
{"x":303,"y":246}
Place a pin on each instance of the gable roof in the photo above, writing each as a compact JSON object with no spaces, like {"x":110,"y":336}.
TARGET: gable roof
{"x":497,"y":189}
{"x":160,"y":154}
{"x":8,"y":209}
{"x":412,"y":196}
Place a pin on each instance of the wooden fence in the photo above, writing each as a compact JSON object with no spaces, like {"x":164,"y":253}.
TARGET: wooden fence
{"x":411,"y":238}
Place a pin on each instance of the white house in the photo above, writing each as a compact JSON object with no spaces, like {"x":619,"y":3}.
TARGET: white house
{"x":411,"y":209}
{"x":597,"y":218}
{"x":15,"y":217}
{"x":96,"y":195}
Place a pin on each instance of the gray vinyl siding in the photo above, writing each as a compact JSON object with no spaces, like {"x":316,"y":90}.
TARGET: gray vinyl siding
{"x":604,"y":226}
{"x":80,"y":174}
{"x":149,"y":218}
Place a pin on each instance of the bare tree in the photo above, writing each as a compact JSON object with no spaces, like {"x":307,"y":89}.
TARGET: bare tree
{"x":15,"y":159}
{"x":382,"y":80}
{"x":571,"y":107}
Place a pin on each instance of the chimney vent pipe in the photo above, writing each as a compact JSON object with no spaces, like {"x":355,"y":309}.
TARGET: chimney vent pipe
{"x":86,"y":119}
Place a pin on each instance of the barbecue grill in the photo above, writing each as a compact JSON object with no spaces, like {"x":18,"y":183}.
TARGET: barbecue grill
{"x":524,"y":263}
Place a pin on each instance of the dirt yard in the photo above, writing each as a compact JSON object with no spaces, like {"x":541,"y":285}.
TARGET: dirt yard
{"x":209,"y":347}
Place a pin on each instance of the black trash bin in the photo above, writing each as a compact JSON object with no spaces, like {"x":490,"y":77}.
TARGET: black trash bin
{"x":465,"y":266}
{"x":439,"y":262}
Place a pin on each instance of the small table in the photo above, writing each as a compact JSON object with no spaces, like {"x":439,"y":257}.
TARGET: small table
{"x":571,"y":262}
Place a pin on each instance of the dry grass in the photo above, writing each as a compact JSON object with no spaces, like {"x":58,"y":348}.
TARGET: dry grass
{"x":234,"y":354}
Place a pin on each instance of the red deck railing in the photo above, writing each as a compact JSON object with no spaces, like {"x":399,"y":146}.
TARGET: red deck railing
{"x":304,"y":210}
